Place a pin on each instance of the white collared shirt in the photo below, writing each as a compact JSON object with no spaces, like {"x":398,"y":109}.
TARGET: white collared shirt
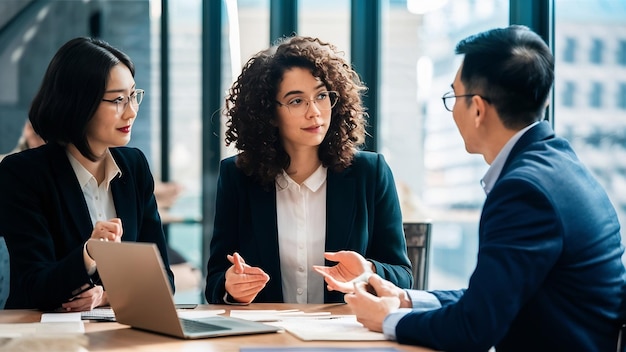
{"x":99,"y":198}
{"x":301,"y":216}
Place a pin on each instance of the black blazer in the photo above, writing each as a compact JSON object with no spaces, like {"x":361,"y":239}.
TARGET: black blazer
{"x":362,"y":214}
{"x":45,"y":221}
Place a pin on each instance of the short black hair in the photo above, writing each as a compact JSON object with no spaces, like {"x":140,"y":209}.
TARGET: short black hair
{"x":514,"y":68}
{"x":72,"y":90}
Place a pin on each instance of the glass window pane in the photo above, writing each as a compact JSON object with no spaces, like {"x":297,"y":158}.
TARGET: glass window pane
{"x":328,"y":20}
{"x":597,"y":126}
{"x":436,"y":177}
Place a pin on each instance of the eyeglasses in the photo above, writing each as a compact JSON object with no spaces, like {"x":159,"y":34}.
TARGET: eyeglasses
{"x":121,"y":103}
{"x":449,"y":99}
{"x":323,"y":100}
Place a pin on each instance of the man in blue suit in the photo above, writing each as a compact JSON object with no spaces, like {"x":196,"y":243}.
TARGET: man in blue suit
{"x":549,"y":275}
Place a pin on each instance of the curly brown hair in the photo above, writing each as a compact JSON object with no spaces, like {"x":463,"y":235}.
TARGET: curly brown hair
{"x":251,"y":107}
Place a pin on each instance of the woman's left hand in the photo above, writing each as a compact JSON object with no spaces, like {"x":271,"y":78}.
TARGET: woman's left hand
{"x":351,"y":268}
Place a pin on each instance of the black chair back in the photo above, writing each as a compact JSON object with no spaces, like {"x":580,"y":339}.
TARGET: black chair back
{"x":417,"y":236}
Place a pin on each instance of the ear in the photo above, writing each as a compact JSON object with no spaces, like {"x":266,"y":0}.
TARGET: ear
{"x":480,"y":109}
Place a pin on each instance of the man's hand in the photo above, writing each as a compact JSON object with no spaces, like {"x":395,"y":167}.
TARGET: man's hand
{"x":371,"y":310}
{"x":244,"y":282}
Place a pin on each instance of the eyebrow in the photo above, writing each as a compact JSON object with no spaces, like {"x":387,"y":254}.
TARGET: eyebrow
{"x":121,"y":90}
{"x":295,"y":92}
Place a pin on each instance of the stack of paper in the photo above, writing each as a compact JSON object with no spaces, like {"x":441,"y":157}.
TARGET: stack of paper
{"x":270,"y":315}
{"x":321,"y":326}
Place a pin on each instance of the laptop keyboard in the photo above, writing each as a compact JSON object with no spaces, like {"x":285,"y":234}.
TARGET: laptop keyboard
{"x":195,"y":326}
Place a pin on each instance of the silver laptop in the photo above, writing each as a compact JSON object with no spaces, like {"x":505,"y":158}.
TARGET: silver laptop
{"x":139,"y":292}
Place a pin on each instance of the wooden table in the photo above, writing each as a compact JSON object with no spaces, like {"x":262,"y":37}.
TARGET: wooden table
{"x":118,"y":337}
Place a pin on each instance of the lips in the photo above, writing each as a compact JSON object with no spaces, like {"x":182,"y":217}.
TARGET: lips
{"x":313,"y":128}
{"x":124,"y":129}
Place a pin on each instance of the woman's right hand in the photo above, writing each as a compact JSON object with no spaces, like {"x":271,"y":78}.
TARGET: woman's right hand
{"x":110,"y":230}
{"x":88,"y":300}
{"x":244,"y":282}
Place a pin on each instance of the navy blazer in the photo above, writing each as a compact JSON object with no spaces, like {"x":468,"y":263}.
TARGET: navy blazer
{"x":45,"y":221}
{"x":549,"y":275}
{"x":362,"y":214}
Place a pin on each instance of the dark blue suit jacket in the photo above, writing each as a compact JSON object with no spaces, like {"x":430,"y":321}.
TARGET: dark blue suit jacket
{"x":362,"y":214}
{"x":549,"y":275}
{"x":45,"y":221}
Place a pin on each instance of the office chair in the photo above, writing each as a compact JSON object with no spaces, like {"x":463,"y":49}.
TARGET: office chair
{"x":4,"y":273}
{"x":417,"y":236}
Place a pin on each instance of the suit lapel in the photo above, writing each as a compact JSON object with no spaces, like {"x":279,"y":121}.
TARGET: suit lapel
{"x":340,"y":209}
{"x":124,"y":196}
{"x":263,"y":215}
{"x":70,"y":190}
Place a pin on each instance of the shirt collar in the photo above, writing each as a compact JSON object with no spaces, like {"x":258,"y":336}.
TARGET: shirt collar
{"x":495,"y":169}
{"x":111,"y":170}
{"x":313,"y":182}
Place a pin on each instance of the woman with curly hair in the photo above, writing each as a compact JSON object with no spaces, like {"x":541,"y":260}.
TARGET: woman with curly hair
{"x":300,"y":191}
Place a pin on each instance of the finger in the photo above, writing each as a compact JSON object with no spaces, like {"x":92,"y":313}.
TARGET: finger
{"x":117,"y":228}
{"x":254,"y":271}
{"x":77,"y":304}
{"x":322,"y":270}
{"x":239,"y":263}
{"x":376,"y":281}
{"x":331,"y":256}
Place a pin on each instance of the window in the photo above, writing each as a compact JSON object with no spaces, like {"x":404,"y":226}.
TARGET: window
{"x":569,"y":91}
{"x":597,"y":46}
{"x":621,"y":96}
{"x":437,"y":179}
{"x":595,"y":128}
{"x":569,"y":53}
{"x":621,"y":52}
{"x":595,"y":96}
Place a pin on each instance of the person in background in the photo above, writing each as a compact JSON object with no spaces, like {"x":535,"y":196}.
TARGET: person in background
{"x":300,"y":191}
{"x":28,"y":139}
{"x":82,"y":184}
{"x":549,"y":274}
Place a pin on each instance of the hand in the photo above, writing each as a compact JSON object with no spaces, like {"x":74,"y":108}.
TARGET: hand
{"x":351,"y":268}
{"x":371,"y":310}
{"x":87,"y":300}
{"x":244,"y":282}
{"x":383,"y":288}
{"x":108,"y":230}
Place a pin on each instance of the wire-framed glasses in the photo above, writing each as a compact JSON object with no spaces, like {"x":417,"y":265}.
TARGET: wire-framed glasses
{"x":121,"y":103}
{"x":449,"y":99}
{"x":298,"y":106}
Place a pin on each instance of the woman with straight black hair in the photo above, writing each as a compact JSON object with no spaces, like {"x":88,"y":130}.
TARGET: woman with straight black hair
{"x":82,"y":184}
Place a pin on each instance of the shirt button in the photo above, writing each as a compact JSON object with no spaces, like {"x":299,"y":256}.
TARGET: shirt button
{"x":300,"y":268}
{"x":300,"y":291}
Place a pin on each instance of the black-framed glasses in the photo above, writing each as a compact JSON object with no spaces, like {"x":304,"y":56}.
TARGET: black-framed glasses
{"x":449,"y":99}
{"x":121,"y":103}
{"x":298,"y":106}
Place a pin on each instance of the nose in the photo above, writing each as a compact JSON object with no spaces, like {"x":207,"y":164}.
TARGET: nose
{"x":312,"y":109}
{"x":130,"y":112}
